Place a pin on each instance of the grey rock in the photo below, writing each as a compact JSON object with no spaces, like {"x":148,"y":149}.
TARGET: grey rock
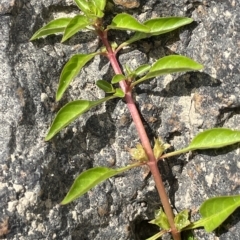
{"x":35,"y":175}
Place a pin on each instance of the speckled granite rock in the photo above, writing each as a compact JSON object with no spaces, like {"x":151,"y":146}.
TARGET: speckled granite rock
{"x":35,"y":176}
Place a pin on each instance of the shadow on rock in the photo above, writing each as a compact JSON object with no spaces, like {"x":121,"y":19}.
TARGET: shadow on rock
{"x":183,"y":85}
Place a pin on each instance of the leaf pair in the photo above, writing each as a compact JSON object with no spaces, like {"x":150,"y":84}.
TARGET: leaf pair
{"x":167,"y":65}
{"x":73,"y":110}
{"x":204,"y":140}
{"x":214,"y":212}
{"x":180,"y":221}
{"x":93,"y":9}
{"x":123,"y":21}
{"x":67,"y":26}
{"x":131,"y":75}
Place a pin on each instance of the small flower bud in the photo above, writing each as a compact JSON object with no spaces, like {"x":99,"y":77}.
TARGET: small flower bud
{"x":159,"y":147}
{"x":138,"y":153}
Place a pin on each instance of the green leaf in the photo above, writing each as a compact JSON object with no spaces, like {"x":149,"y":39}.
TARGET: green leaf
{"x":170,"y":64}
{"x":92,"y":7}
{"x":161,"y":219}
{"x":70,"y":112}
{"x":83,"y":5}
{"x":119,"y":93}
{"x":71,"y":70}
{"x":128,"y":70}
{"x":89,"y":179}
{"x":55,"y":26}
{"x":211,"y":138}
{"x":94,"y":10}
{"x":215,"y":211}
{"x":159,"y":26}
{"x":142,"y":69}
{"x":215,"y":138}
{"x":97,"y":7}
{"x":124,"y":21}
{"x":118,"y":78}
{"x":100,"y":4}
{"x":78,"y":23}
{"x":181,"y":220}
{"x":105,"y":86}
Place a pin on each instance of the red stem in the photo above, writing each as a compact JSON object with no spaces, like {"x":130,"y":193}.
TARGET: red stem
{"x":152,"y":163}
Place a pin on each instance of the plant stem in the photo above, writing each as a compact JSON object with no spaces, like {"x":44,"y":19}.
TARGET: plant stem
{"x":184,"y":150}
{"x":152,"y":163}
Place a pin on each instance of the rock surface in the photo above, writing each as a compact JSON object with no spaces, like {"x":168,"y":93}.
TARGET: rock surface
{"x":35,"y":175}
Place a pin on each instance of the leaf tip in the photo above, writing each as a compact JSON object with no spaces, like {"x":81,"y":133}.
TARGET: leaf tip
{"x":58,"y":97}
{"x":33,"y":37}
{"x":64,"y":39}
{"x":48,"y":137}
{"x":200,"y":66}
{"x":64,"y":202}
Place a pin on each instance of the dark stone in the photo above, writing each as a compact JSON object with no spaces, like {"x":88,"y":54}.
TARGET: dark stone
{"x":36,"y":175}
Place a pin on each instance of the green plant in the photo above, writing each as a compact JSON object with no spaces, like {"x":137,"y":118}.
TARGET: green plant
{"x":215,"y":210}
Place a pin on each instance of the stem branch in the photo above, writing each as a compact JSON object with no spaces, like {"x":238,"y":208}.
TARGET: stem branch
{"x":152,"y":163}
